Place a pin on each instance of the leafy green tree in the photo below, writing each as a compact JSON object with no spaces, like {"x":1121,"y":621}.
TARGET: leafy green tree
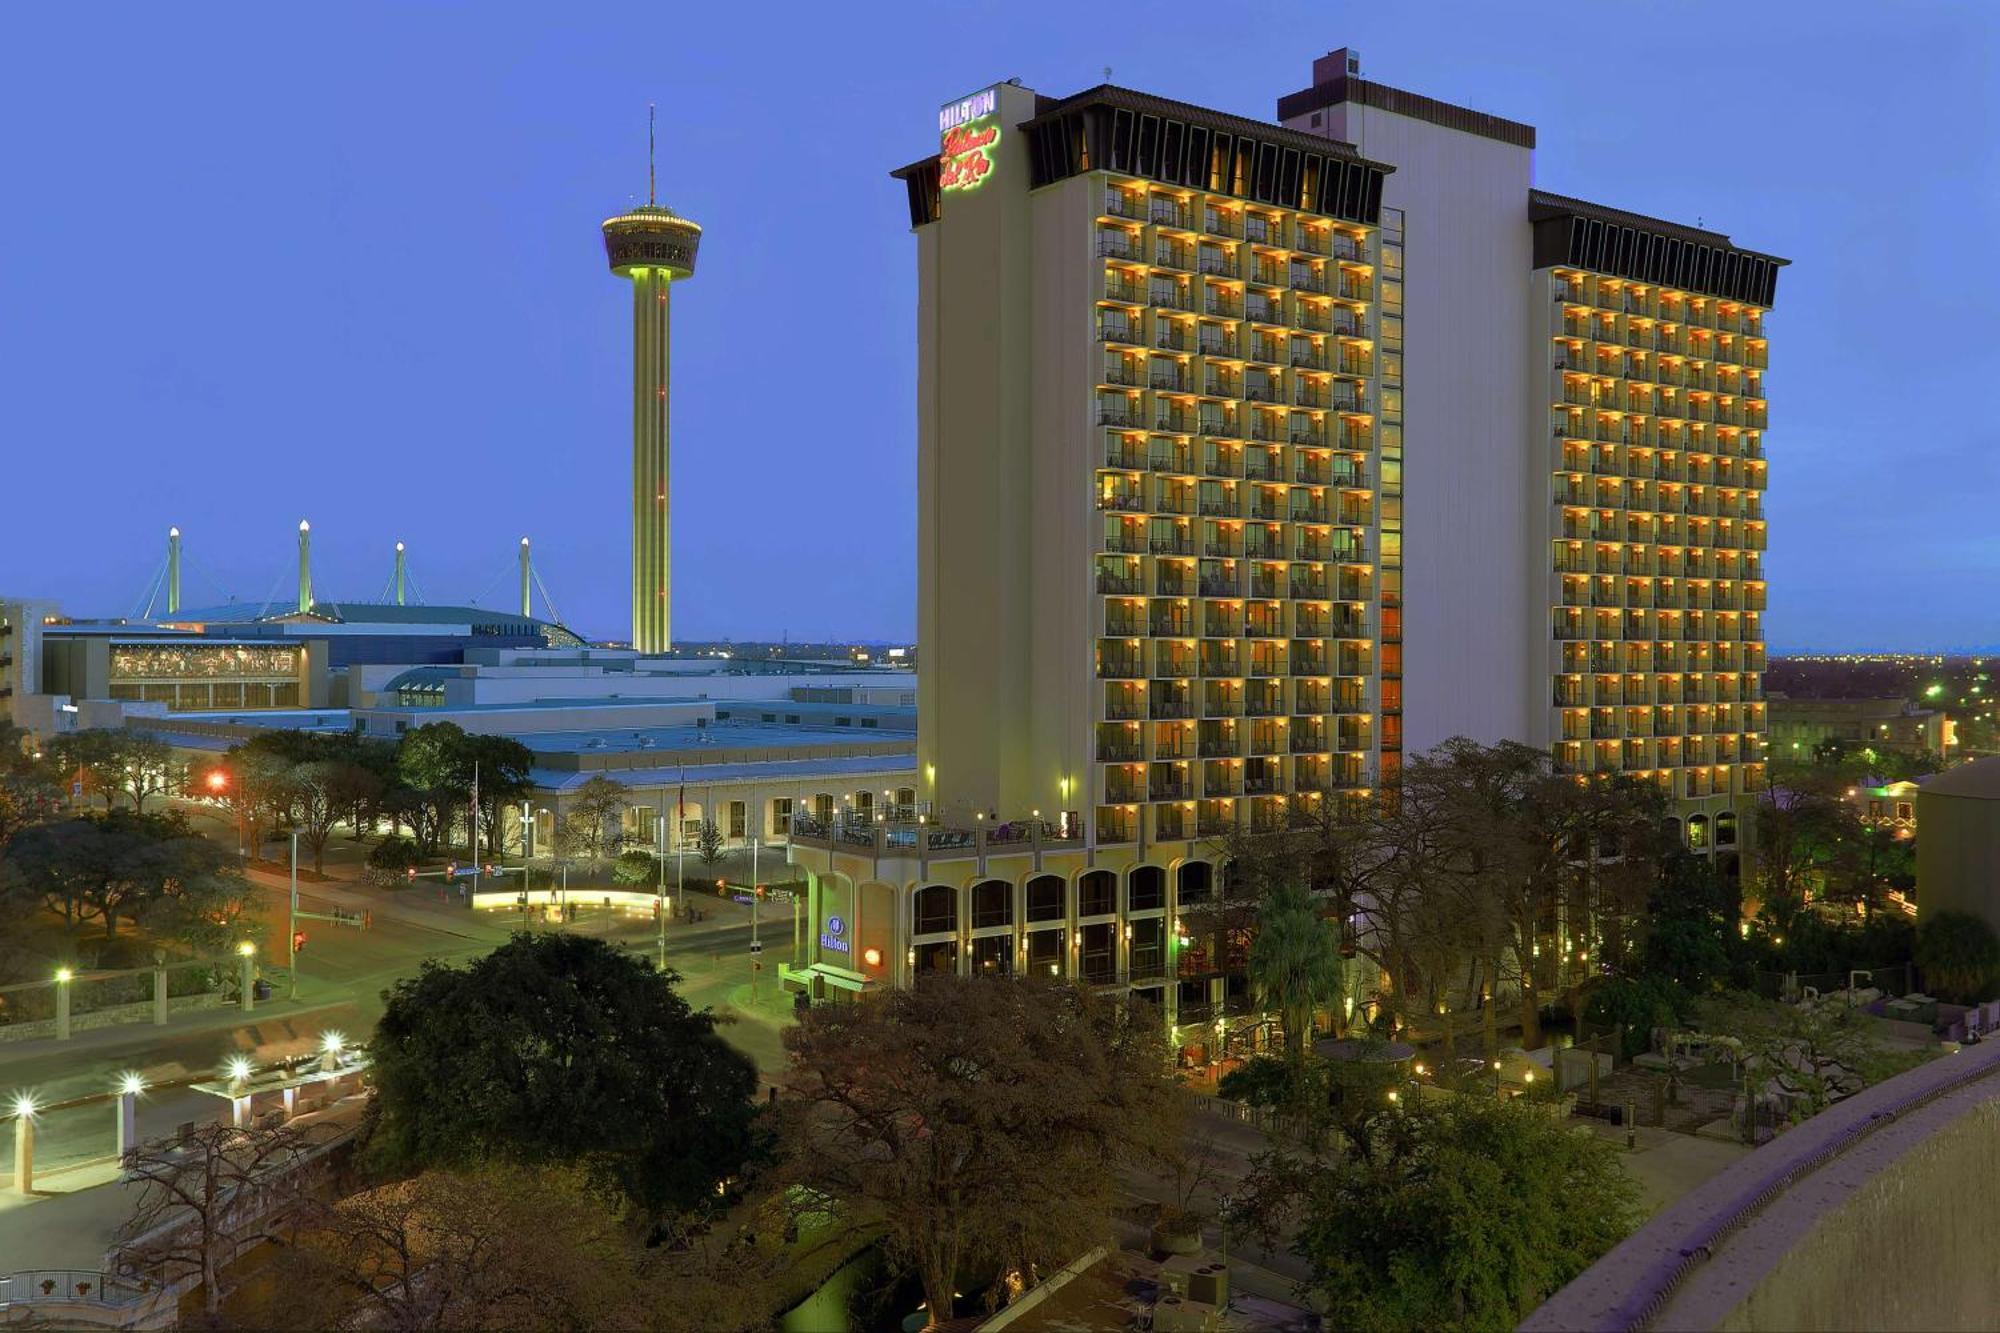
{"x":116,"y":762}
{"x":559,"y":1049}
{"x":1295,"y":964}
{"x":503,"y":766}
{"x":1959,"y":955}
{"x":1451,"y":1213}
{"x":435,"y":771}
{"x":985,"y":1119}
{"x":122,"y":866}
{"x":1818,"y":1051}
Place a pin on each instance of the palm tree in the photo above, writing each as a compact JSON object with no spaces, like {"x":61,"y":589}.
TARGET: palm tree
{"x":1295,"y":964}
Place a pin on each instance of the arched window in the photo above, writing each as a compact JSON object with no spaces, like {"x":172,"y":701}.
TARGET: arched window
{"x":992,"y":903}
{"x":1725,"y":829}
{"x":1197,"y":883}
{"x":936,"y":909}
{"x":1097,"y":894}
{"x":1698,"y":832}
{"x":1045,"y":898}
{"x":1146,"y":889}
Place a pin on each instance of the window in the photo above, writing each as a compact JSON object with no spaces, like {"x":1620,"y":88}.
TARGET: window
{"x":739,"y":817}
{"x":992,"y":904}
{"x":823,"y":807}
{"x":770,"y":717}
{"x":993,"y":956}
{"x":936,"y":909}
{"x":1097,"y":894}
{"x":1194,"y":883}
{"x":1045,"y":898}
{"x":792,"y":718}
{"x":843,"y":722}
{"x":1045,"y":949}
{"x":781,"y":815}
{"x":868,"y":722}
{"x":1147,"y":889}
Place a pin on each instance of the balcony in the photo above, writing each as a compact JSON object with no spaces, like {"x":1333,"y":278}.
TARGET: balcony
{"x":1305,"y":280}
{"x":1119,"y":668}
{"x":1215,"y":344}
{"x":1216,"y":222}
{"x":1173,"y":381}
{"x":1120,"y":204}
{"x":1171,"y":296}
{"x":1118,"y":331}
{"x":1173,"y":338}
{"x":1118,"y":416}
{"x":1166,"y":213}
{"x":1171,"y":545}
{"x":1224,"y":307}
{"x":1119,"y":585}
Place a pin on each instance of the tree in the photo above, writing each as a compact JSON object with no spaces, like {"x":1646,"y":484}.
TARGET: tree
{"x":559,"y":1049}
{"x":123,"y":866}
{"x":1295,"y":964}
{"x":1959,"y":955}
{"x":321,"y":793}
{"x":493,"y":1246}
{"x":503,"y":768}
{"x":983,"y":1118}
{"x":250,"y":781}
{"x":114,"y":761}
{"x":1453,"y":1213}
{"x":1817,"y":1052}
{"x":194,"y":1217}
{"x":708,"y":842}
{"x":592,"y":819}
{"x":435,"y":769}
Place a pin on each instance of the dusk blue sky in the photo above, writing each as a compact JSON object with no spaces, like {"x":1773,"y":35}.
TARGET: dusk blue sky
{"x":259,"y":264}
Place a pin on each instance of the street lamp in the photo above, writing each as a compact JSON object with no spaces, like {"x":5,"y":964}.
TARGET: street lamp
{"x":64,"y":976}
{"x":239,"y":1068}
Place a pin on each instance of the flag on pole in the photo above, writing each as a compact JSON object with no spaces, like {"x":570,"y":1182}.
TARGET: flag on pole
{"x":680,"y":806}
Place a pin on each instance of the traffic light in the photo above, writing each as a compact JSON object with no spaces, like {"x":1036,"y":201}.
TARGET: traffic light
{"x":298,"y":941}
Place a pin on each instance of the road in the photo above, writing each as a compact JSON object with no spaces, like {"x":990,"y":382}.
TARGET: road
{"x":343,"y":972}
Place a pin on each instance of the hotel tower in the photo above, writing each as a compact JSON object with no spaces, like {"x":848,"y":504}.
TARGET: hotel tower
{"x":652,"y":246}
{"x":1253,"y":456}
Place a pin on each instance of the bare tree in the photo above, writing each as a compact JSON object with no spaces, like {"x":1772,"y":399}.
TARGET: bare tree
{"x":209,"y":1196}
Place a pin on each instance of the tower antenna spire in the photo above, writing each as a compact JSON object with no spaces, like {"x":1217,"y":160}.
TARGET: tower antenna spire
{"x":652,"y":198}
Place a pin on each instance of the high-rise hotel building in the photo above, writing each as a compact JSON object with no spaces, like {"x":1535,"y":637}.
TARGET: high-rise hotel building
{"x":1255,"y":456}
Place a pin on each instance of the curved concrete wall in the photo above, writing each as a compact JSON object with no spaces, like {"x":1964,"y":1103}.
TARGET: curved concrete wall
{"x":1877,"y":1214}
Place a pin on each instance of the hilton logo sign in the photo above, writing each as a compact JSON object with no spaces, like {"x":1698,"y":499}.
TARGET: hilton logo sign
{"x":953,"y":114}
{"x":834,"y":937}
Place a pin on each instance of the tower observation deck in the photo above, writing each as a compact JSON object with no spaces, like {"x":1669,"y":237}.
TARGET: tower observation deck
{"x":652,"y":246}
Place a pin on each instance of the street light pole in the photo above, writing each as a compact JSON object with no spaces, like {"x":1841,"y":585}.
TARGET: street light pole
{"x":292,"y":921}
{"x":756,"y":892}
{"x":659,"y":911}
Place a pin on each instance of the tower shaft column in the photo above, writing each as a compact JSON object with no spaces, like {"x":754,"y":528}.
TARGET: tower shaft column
{"x":652,"y":552}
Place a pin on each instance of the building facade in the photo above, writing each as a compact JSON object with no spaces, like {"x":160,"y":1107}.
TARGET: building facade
{"x":1254,"y":456}
{"x":1583,"y":514}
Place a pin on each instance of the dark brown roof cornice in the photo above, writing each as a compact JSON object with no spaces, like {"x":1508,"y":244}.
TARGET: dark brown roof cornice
{"x":1415,"y":105}
{"x":1107,"y":94}
{"x":1543,"y":204}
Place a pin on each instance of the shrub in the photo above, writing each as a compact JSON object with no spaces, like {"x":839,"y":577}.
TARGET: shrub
{"x":1959,"y":956}
{"x":1640,"y":1004}
{"x":391,"y":860}
{"x":633,"y":868}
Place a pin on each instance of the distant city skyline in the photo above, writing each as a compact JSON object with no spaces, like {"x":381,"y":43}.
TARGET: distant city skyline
{"x":368,"y":291}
